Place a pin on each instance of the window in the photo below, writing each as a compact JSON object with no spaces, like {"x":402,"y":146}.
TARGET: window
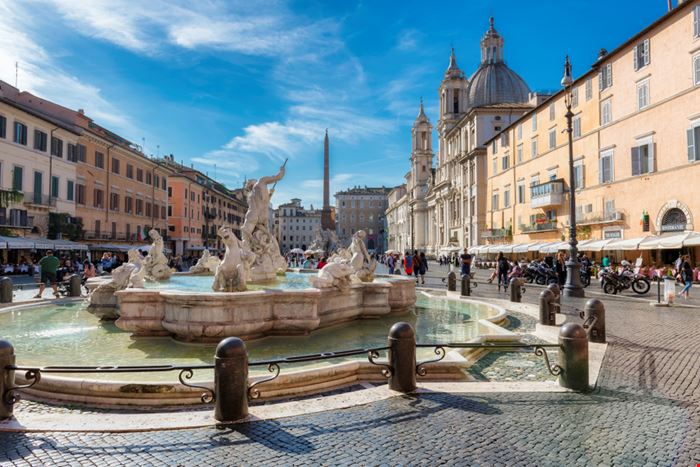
{"x":80,"y":194}
{"x":520,"y":131}
{"x":40,"y":140}
{"x":693,"y":135}
{"x":148,"y":209}
{"x":97,"y":198}
{"x":519,"y":153}
{"x":534,"y":122}
{"x":148,"y":180}
{"x":494,"y":202}
{"x":170,"y":191}
{"x":521,"y":193}
{"x":56,"y":147}
{"x":505,"y":140}
{"x":128,"y":204}
{"x":505,"y":162}
{"x":139,"y":207}
{"x":606,"y":166}
{"x":164,"y":181}
{"x":605,"y":76}
{"x":17,"y":178}
{"x":606,"y":112}
{"x":696,"y":21}
{"x":70,"y":190}
{"x":642,"y":94}
{"x":696,"y":72}
{"x":552,"y":113}
{"x":506,"y":198}
{"x":576,"y":126}
{"x":82,"y":151}
{"x":589,"y":89}
{"x":99,"y":160}
{"x":552,"y":138}
{"x":20,"y":133}
{"x":115,"y":166}
{"x":641,"y":54}
{"x":578,"y":175}
{"x":114,"y":202}
{"x":3,"y":127}
{"x":129,"y":171}
{"x":574,"y":97}
{"x":495,"y":165}
{"x":533,"y":147}
{"x":72,"y":153}
{"x":54,"y":186}
{"x":139,"y":175}
{"x":643,"y":158}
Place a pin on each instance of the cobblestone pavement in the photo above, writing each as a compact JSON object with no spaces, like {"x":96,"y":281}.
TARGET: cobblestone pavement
{"x":643,"y":412}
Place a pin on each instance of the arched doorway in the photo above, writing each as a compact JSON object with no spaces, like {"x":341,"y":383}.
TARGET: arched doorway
{"x":674,"y":220}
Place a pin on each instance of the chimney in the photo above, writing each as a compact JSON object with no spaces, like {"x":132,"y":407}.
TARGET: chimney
{"x":81,"y":111}
{"x":601,"y":54}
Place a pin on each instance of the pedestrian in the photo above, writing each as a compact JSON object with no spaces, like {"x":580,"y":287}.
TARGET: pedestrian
{"x":605,"y":262}
{"x":49,"y":266}
{"x":503,"y":268}
{"x":560,"y":267}
{"x":687,"y":275}
{"x":466,"y":260}
{"x":408,"y":263}
{"x":416,"y":264}
{"x":322,"y":262}
{"x":423,"y":267}
{"x":391,"y":263}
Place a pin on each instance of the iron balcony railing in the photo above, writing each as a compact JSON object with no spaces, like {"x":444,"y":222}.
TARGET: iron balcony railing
{"x":542,"y":227}
{"x":39,"y":199}
{"x":496,"y":233}
{"x":547,"y":194}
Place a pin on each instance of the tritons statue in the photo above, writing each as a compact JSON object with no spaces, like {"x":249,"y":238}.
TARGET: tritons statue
{"x":324,"y":240}
{"x":336,"y":274}
{"x":361,"y":261}
{"x":102,"y":302}
{"x":206,"y":264}
{"x":233,"y":272}
{"x":156,"y":264}
{"x":255,"y":232}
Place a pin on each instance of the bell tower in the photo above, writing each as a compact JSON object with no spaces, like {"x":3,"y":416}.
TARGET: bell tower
{"x":421,"y":154}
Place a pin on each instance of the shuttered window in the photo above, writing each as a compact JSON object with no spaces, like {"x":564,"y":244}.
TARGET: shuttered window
{"x":693,"y":143}
{"x":643,"y":158}
{"x":606,"y":172}
{"x":696,"y":72}
{"x":3,"y":127}
{"x":696,"y":21}
{"x":605,"y":76}
{"x":641,"y":54}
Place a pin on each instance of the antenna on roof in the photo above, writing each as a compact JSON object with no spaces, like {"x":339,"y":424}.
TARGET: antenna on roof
{"x":16,"y":73}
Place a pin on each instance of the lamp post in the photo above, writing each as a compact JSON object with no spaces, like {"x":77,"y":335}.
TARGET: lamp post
{"x":205,"y":198}
{"x":413,"y":226}
{"x":573,"y":286}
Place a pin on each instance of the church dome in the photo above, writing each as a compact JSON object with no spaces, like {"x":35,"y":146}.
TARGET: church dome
{"x":493,"y":82}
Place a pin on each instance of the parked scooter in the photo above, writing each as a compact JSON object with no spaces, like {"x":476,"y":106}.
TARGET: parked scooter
{"x":614,"y":283}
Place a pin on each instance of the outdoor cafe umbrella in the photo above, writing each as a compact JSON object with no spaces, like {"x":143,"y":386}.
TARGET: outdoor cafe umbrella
{"x":297,"y":251}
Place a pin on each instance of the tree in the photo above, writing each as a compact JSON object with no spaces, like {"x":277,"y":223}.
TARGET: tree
{"x":65,"y":225}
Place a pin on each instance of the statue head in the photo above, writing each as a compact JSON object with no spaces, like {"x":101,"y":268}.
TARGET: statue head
{"x":134,"y":255}
{"x":361,"y":234}
{"x":249,"y":184}
{"x":155,"y":236}
{"x":226,"y":233}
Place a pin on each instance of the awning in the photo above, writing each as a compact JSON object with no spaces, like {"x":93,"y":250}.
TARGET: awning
{"x":196,"y":248}
{"x":671,"y":242}
{"x":594,"y":245}
{"x":450,"y":249}
{"x":535,"y":247}
{"x":523,"y":247}
{"x":554,"y":247}
{"x":18,"y":243}
{"x":629,"y":244}
{"x":473,"y":249}
{"x":68,"y":245}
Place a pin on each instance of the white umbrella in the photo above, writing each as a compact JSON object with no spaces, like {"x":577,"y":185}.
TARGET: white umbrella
{"x":594,"y":245}
{"x":297,"y":251}
{"x":629,"y":244}
{"x":693,"y":239}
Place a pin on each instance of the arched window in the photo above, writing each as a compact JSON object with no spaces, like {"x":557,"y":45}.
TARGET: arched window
{"x":674,"y":220}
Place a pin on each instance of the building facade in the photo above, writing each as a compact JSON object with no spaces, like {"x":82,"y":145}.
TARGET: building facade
{"x":296,"y":227}
{"x":361,"y":208}
{"x":636,"y":144}
{"x":398,"y":220}
{"x":37,"y":162}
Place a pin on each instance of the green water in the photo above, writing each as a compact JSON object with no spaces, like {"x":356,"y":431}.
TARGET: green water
{"x":69,"y":335}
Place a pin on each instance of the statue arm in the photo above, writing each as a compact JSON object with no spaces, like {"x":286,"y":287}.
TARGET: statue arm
{"x":273,"y":178}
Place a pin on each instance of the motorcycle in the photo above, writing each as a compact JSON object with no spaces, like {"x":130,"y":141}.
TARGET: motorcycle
{"x":546,"y":275}
{"x":614,"y":283}
{"x":530,"y":272}
{"x":585,"y":275}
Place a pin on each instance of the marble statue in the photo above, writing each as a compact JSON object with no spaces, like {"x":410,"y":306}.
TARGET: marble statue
{"x":102,"y":301}
{"x":233,"y":272}
{"x":334,"y":274}
{"x":361,"y":261}
{"x":324,"y":240}
{"x":156,"y":264}
{"x":206,"y":264}
{"x":255,"y":232}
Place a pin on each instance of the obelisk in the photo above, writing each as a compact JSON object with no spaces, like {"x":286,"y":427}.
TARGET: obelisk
{"x":327,"y":220}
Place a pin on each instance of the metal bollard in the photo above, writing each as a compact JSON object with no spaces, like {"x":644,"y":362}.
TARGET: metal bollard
{"x":7,"y":379}
{"x":516,"y":291}
{"x":594,"y":320}
{"x":402,"y":358}
{"x":556,"y":291}
{"x":466,"y":289}
{"x":573,"y":357}
{"x":74,"y":285}
{"x":547,"y":311}
{"x":452,"y":281}
{"x":231,"y":380}
{"x":5,"y":290}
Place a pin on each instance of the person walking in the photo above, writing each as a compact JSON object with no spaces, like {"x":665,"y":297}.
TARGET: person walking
{"x":423,"y":267}
{"x":466,"y":260}
{"x":416,"y":264}
{"x":687,"y":276}
{"x":49,"y":266}
{"x":391,"y":263}
{"x":560,"y":267}
{"x":408,"y":263}
{"x":503,"y":268}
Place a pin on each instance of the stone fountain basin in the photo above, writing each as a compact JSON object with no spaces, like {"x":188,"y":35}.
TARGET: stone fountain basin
{"x":212,"y":316}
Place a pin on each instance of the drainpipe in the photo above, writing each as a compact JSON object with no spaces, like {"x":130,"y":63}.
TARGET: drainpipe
{"x":108,"y":167}
{"x":51,"y":166}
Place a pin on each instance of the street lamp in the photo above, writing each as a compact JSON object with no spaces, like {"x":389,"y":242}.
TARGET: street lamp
{"x":413,"y":227}
{"x":205,"y":198}
{"x":573,"y":286}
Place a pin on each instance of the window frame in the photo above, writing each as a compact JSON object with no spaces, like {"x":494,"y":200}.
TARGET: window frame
{"x":589,"y":89}
{"x":603,"y":104}
{"x":576,"y":127}
{"x":696,"y":69}
{"x":610,"y":155}
{"x":645,"y":56}
{"x":552,"y":138}
{"x":21,"y":136}
{"x":643,"y":85}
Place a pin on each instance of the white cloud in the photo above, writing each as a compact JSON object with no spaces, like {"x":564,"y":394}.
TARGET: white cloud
{"x":40,"y":74}
{"x":408,"y":39}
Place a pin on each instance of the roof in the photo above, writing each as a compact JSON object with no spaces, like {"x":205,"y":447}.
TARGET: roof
{"x":365,"y":191}
{"x":76,"y":130}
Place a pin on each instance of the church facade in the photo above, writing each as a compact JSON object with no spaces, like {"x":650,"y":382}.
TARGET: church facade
{"x":446,"y":204}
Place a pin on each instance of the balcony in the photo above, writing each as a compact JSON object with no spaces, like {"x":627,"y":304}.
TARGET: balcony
{"x":38,"y":199}
{"x":496,"y":233}
{"x":100,"y":235}
{"x":611,"y":217}
{"x":547,"y":194}
{"x":542,"y":227}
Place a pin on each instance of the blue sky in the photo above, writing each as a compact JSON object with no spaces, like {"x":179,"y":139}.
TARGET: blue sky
{"x":236,"y":87}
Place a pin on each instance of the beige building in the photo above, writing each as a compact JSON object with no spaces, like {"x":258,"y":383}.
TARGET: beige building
{"x":362,"y":208}
{"x":295,"y":226}
{"x":636,"y":144}
{"x":34,"y":162}
{"x":398,"y":220}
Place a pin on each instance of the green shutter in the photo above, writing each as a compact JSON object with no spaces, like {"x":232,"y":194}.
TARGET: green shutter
{"x":691,"y":144}
{"x":17,"y":176}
